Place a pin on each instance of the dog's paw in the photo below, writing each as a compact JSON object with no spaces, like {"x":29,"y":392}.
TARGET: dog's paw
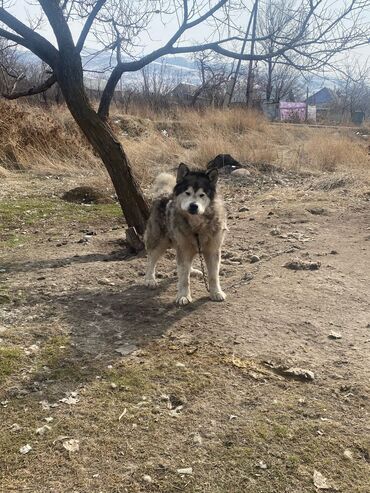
{"x":196,"y":273}
{"x":183,"y":300}
{"x":150,"y":283}
{"x":218,"y":296}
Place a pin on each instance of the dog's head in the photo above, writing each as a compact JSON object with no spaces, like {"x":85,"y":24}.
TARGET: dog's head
{"x":195,"y":190}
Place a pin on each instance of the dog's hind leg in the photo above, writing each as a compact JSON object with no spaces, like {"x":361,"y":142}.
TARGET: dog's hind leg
{"x":184,"y":260}
{"x":153,"y":256}
{"x":212,"y":257}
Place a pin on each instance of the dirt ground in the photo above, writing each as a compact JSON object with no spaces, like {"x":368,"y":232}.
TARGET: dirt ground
{"x":194,"y":399}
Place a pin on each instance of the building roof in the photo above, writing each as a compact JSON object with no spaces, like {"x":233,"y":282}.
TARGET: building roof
{"x":323,"y":96}
{"x":184,"y":88}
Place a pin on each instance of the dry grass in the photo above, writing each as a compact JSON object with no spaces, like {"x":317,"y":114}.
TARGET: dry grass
{"x":198,"y":137}
{"x":42,"y":140}
{"x":329,"y":153}
{"x":32,"y":138}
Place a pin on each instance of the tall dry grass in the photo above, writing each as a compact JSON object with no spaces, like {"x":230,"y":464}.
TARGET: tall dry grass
{"x":48,"y":140}
{"x":333,"y":152}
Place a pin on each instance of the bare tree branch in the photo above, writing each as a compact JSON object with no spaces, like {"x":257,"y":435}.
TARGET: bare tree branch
{"x":139,"y":64}
{"x":89,"y":22}
{"x":33,"y":90}
{"x":28,"y":38}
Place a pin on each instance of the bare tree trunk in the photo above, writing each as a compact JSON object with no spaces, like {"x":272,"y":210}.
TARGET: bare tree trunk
{"x":232,"y":89}
{"x":269,"y":80}
{"x":99,"y":134}
{"x":250,"y":69}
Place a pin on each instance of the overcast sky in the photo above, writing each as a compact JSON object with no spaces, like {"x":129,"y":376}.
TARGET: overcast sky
{"x":159,"y":33}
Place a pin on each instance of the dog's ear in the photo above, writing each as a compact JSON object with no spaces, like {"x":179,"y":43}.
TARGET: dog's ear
{"x":212,"y":176}
{"x":182,"y":171}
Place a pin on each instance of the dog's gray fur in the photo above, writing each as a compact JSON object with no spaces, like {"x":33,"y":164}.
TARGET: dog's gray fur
{"x":172,"y":225}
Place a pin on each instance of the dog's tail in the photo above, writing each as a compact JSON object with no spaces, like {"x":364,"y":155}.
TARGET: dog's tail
{"x":163,"y":185}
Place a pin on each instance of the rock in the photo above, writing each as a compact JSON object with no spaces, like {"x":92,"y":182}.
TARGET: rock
{"x":126,"y":350}
{"x":70,"y":400}
{"x":72,"y":445}
{"x":25,"y":449}
{"x":197,"y":439}
{"x":243,"y":209}
{"x":335,"y":335}
{"x":254,"y":258}
{"x":15,"y":427}
{"x":185,"y":470}
{"x":321,"y":482}
{"x":261,"y":465}
{"x":105,"y":282}
{"x":32,"y":349}
{"x":348,"y":454}
{"x":147,"y":478}
{"x":113,"y":385}
{"x":300,"y":374}
{"x":240,"y":173}
{"x":248,"y":276}
{"x":42,"y":430}
{"x":45,"y":405}
{"x":49,"y":419}
{"x":275,"y":232}
{"x":302,"y":265}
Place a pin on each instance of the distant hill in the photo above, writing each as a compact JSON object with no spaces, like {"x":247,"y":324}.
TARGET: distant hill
{"x":176,"y":69}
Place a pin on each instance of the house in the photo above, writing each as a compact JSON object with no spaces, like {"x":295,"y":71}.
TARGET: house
{"x":297,"y":112}
{"x":183,"y":92}
{"x":323,"y":98}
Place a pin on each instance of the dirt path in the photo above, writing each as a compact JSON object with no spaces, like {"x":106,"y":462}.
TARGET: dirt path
{"x":203,"y":386}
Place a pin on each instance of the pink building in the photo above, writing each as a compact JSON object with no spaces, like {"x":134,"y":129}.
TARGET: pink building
{"x":292,"y":111}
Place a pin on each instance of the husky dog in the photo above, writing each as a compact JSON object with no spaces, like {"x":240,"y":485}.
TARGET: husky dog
{"x":188,"y":215}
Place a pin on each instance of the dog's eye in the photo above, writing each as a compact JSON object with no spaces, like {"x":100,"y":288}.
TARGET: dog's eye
{"x":202,"y":195}
{"x":188,"y":193}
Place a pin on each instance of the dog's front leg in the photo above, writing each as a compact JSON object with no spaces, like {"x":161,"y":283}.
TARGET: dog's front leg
{"x":184,"y":260}
{"x":213,"y":259}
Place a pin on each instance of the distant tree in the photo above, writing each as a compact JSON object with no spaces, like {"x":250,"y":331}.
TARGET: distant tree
{"x":283,"y":82}
{"x":214,"y":73}
{"x":11,"y":70}
{"x":157,"y":84}
{"x":354,"y":90}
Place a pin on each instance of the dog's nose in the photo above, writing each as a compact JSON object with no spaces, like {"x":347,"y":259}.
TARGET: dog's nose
{"x":193,"y":208}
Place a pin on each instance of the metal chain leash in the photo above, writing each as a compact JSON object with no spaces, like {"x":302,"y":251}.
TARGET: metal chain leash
{"x":204,"y":273}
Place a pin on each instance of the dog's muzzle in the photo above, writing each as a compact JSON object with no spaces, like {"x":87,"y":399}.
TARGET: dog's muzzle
{"x":193,"y":208}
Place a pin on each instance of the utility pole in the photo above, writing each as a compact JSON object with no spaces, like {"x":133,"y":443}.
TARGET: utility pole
{"x":250,"y":69}
{"x":237,"y":70}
